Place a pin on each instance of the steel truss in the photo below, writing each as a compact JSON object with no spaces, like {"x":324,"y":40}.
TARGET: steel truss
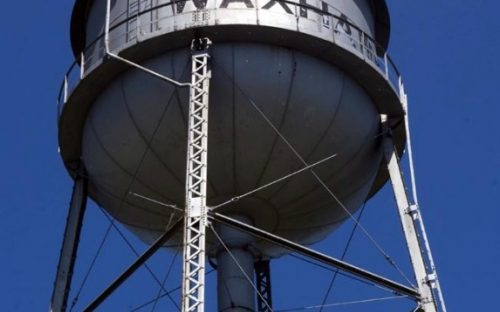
{"x":263,"y":282}
{"x":193,"y":287}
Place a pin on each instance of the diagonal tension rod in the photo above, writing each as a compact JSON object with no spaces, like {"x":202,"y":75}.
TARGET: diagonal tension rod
{"x":134,"y":266}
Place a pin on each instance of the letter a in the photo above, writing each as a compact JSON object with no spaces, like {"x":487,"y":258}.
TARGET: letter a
{"x":225,"y":3}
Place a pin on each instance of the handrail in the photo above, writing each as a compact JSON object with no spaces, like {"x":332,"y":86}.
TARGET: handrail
{"x":388,"y":64}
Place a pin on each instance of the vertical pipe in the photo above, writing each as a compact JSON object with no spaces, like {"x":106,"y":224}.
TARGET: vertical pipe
{"x":106,"y":26}
{"x":234,"y":292}
{"x":138,"y":22}
{"x":235,"y":265}
{"x":386,"y":66}
{"x":401,"y":91}
{"x":362,"y":44}
{"x":82,"y":65}
{"x":65,"y":89}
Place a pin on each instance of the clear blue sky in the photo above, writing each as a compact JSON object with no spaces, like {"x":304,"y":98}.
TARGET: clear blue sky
{"x":448,"y":52}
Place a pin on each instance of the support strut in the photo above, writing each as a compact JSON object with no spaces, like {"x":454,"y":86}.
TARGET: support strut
{"x":69,"y":248}
{"x":315,"y":255}
{"x":408,"y":215}
{"x":193,"y":283}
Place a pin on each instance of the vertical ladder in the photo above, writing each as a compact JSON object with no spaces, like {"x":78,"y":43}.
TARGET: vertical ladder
{"x":195,"y":221}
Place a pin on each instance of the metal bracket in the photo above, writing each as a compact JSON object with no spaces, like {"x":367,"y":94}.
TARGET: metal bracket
{"x":413,"y":211}
{"x":128,"y":62}
{"x":432,"y":280}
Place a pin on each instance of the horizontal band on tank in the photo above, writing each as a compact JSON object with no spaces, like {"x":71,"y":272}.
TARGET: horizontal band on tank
{"x":82,"y":8}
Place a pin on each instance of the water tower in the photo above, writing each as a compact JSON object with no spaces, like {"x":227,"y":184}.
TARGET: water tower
{"x":237,"y":130}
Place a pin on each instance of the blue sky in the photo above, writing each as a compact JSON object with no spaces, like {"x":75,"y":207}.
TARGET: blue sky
{"x":448,"y":54}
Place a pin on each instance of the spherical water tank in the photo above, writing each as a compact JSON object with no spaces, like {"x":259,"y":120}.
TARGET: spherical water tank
{"x":313,"y":70}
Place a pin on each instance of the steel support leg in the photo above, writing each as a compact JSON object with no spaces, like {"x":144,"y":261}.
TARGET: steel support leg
{"x":193,"y":287}
{"x":263,"y":278}
{"x":69,"y":248}
{"x":409,"y":214}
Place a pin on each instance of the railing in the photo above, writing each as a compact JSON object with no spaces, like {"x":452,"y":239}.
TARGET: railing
{"x":344,"y":33}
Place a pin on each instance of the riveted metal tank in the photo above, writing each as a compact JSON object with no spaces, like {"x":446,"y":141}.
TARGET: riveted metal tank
{"x":316,"y":69}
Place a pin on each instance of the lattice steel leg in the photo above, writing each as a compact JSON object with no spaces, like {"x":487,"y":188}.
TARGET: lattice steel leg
{"x":263,"y":278}
{"x":196,"y":181}
{"x":409,"y":214}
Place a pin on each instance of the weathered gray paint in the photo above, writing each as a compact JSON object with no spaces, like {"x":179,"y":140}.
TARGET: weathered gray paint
{"x":319,"y":109}
{"x":134,"y":132}
{"x":377,"y":8}
{"x":268,"y":13}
